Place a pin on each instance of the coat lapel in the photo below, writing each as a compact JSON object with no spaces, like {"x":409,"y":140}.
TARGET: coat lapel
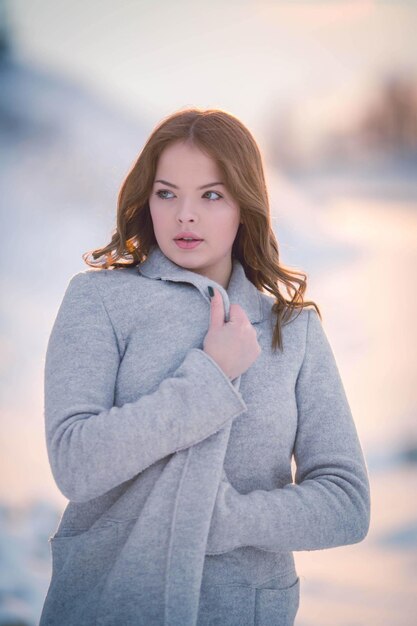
{"x":240,"y":289}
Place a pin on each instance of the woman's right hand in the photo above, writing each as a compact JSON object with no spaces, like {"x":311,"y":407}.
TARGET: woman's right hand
{"x":234,"y":344}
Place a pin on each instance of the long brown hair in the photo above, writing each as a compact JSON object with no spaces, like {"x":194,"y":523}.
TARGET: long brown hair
{"x":230,"y":144}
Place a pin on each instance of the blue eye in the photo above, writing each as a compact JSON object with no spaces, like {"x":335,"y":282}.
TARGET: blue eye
{"x":162,"y":191}
{"x":217,"y":194}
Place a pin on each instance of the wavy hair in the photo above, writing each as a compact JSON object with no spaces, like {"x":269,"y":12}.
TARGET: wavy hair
{"x":229,"y":143}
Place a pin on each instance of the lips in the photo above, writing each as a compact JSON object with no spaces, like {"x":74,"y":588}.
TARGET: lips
{"x":187,"y":241}
{"x":188,"y":236}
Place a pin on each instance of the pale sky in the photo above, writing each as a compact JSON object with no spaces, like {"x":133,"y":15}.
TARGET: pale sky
{"x":245,"y":56}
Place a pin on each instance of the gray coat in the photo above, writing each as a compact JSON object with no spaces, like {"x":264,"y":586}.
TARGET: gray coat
{"x":182,"y":510}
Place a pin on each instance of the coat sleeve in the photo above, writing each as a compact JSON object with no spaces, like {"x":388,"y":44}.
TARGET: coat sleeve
{"x":93,"y":445}
{"x":328,"y":505}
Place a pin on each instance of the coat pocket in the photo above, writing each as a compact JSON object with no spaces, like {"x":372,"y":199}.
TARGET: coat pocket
{"x":80,"y":565}
{"x":86,"y":552}
{"x":277,"y":602}
{"x":226,"y":605}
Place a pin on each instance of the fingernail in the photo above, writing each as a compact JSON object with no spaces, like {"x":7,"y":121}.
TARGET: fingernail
{"x":210,"y":291}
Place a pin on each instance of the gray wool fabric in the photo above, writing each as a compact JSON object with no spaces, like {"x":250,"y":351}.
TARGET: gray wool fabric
{"x":182,"y":507}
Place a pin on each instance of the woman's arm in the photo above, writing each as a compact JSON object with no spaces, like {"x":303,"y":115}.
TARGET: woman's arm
{"x":329,"y":504}
{"x":94,"y":446}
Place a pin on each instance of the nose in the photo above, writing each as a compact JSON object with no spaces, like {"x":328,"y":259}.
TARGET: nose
{"x":186,"y":212}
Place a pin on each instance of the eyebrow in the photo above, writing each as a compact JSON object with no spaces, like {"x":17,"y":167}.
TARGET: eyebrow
{"x":165,"y":182}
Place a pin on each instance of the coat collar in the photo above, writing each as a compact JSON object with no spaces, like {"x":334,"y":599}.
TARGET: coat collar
{"x":240,"y":289}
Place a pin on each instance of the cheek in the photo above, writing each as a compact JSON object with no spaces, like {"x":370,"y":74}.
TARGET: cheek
{"x":157,"y":218}
{"x":227,"y":230}
{"x":234,"y":221}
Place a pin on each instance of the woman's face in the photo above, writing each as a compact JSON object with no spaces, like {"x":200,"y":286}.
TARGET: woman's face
{"x":187,"y":196}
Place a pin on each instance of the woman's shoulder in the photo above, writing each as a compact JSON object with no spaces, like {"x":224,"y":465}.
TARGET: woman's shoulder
{"x":116,"y":291}
{"x":298,"y":315}
{"x":115,"y":288}
{"x":105,"y":278}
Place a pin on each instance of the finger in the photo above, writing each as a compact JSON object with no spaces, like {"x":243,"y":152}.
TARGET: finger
{"x":236,"y":313}
{"x":216,"y":309}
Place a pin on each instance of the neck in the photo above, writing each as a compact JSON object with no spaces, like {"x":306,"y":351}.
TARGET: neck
{"x":221,"y":276}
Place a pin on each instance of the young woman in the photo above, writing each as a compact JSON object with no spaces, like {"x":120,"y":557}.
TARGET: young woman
{"x":179,"y":384}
